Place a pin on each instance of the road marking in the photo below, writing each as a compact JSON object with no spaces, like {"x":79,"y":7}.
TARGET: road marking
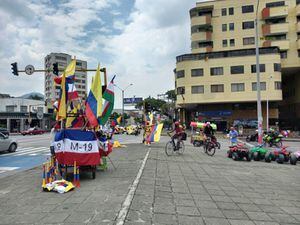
{"x":33,"y":151}
{"x":23,"y":151}
{"x":127,"y":202}
{"x":4,"y":169}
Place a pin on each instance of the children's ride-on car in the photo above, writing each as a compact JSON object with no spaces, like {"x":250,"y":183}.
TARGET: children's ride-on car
{"x":280,"y":155}
{"x":197,"y":139}
{"x":239,"y":152}
{"x":258,"y":152}
{"x":294,"y":157}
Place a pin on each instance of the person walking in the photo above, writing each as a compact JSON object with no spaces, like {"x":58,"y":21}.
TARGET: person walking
{"x":233,"y":134}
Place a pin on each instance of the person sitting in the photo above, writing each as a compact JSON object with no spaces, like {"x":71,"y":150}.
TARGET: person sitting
{"x":178,"y":129}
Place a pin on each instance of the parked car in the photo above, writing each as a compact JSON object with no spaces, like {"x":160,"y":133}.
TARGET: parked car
{"x":7,"y":144}
{"x":4,"y":131}
{"x":32,"y":131}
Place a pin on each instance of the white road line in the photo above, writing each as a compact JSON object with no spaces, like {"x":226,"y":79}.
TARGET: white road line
{"x":33,"y":151}
{"x":4,"y":169}
{"x":127,"y":202}
{"x":21,"y":150}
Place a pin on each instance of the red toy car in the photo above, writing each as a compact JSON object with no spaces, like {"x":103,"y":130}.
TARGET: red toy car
{"x":239,"y":152}
{"x":32,"y":131}
{"x":280,"y":155}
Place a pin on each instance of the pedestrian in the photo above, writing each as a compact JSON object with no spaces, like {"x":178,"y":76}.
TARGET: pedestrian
{"x":233,"y":134}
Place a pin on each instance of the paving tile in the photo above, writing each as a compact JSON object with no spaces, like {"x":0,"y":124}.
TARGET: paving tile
{"x":164,"y":219}
{"x":216,"y":221}
{"x":211,"y":213}
{"x":259,"y":216}
{"x":282,"y":218}
{"x":186,"y":210}
{"x":234,"y":214}
{"x":241,"y":222}
{"x":227,"y":205}
{"x":190,"y":220}
{"x":206,"y":204}
{"x":55,"y":218}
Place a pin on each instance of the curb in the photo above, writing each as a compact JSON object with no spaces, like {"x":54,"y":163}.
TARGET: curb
{"x":246,"y":143}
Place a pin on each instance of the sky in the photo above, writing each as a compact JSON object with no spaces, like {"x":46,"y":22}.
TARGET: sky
{"x":137,"y":40}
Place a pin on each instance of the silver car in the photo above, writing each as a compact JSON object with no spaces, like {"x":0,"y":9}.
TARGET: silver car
{"x":7,"y":144}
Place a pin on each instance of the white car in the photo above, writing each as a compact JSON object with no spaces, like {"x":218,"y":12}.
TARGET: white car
{"x":7,"y":144}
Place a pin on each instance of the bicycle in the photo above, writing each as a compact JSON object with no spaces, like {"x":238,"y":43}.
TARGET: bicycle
{"x":171,"y":147}
{"x":210,"y":146}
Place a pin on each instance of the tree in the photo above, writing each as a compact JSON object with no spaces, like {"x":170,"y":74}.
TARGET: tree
{"x":156,"y":104}
{"x":171,"y":95}
{"x":36,"y":97}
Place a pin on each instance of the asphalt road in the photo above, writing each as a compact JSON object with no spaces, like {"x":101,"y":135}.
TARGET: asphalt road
{"x":33,"y":150}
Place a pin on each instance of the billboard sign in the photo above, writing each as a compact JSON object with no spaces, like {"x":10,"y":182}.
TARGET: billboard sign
{"x":131,"y":101}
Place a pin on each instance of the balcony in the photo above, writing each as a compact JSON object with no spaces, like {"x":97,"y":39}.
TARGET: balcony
{"x":275,"y":12}
{"x":202,"y":49}
{"x":298,"y":10}
{"x":202,"y":36}
{"x":281,"y":44}
{"x":271,"y":29}
{"x":201,"y":20}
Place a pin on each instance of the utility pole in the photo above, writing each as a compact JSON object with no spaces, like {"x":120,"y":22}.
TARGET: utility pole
{"x":259,"y":113}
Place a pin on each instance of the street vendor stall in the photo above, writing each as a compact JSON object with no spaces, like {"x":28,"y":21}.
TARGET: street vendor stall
{"x":78,"y":146}
{"x":197,"y":137}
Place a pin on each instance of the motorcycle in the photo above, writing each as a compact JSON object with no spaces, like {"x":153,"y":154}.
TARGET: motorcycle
{"x":273,"y":140}
{"x":252,"y":137}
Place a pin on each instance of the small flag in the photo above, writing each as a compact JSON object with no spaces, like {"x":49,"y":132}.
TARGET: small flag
{"x":109,"y":98}
{"x":155,"y":133}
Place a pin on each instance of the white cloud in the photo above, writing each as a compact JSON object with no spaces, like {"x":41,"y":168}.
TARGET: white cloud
{"x":142,"y":52}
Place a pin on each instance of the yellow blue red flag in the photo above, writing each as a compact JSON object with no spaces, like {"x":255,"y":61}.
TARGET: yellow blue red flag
{"x":155,"y":133}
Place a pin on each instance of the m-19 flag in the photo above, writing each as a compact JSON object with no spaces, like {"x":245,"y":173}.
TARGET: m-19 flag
{"x":76,"y":145}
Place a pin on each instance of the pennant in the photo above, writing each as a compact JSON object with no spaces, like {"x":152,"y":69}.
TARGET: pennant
{"x":109,"y":98}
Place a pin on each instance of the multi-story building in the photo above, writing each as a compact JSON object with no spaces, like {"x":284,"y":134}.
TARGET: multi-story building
{"x":217,"y":80}
{"x":51,"y":89}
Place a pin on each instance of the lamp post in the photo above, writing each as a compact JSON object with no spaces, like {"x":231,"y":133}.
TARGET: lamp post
{"x":123,"y":90}
{"x":268,"y":106}
{"x":259,"y":113}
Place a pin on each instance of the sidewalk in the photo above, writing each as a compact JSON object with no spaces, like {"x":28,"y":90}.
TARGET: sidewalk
{"x":187,"y":189}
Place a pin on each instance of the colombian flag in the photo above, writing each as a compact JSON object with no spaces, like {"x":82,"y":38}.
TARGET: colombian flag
{"x":94,"y":100}
{"x":155,"y":133}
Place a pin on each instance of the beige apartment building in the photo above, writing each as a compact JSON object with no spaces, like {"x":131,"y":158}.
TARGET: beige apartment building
{"x":51,"y":89}
{"x":217,"y":80}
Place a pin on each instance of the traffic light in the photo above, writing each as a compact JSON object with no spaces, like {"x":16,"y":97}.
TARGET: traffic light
{"x":55,"y":68}
{"x":15,"y":69}
{"x":148,"y":107}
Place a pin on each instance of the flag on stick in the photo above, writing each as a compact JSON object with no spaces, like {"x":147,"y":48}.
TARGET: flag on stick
{"x":155,"y":133}
{"x":109,"y":98}
{"x":94,"y":100}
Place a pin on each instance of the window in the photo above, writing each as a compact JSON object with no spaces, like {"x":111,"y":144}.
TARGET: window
{"x":180,"y":74}
{"x":198,"y":89}
{"x":277,"y":67}
{"x":61,"y":58}
{"x":248,"y":25}
{"x":23,"y":108}
{"x":231,"y":11}
{"x":275,"y":4}
{"x":262,"y":86}
{"x":78,"y":63}
{"x":237,"y":87}
{"x":224,"y":12}
{"x":197,"y":72}
{"x":224,"y":43}
{"x":249,"y":41}
{"x":217,"y":88}
{"x":216,"y":71}
{"x":180,"y":90}
{"x":262,"y":68}
{"x":10,"y":108}
{"x":224,"y":27}
{"x":276,"y":37}
{"x":278,"y":85}
{"x":297,"y":2}
{"x":237,"y":69}
{"x":247,"y":9}
{"x":231,"y":26}
{"x":232,"y":42}
{"x":283,"y":54}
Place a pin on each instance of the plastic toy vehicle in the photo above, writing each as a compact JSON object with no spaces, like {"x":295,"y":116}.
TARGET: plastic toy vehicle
{"x":294,"y":157}
{"x":258,"y":152}
{"x":132,"y":130}
{"x":197,"y":139}
{"x":280,"y":155}
{"x":239,"y":152}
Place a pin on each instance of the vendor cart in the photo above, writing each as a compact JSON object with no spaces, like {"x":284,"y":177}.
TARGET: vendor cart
{"x":76,"y":148}
{"x":197,"y":136}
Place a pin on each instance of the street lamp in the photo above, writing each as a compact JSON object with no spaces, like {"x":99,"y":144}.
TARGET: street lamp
{"x":123,"y":90}
{"x":259,"y":113}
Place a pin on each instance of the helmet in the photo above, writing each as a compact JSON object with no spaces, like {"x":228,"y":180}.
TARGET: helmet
{"x":207,"y":123}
